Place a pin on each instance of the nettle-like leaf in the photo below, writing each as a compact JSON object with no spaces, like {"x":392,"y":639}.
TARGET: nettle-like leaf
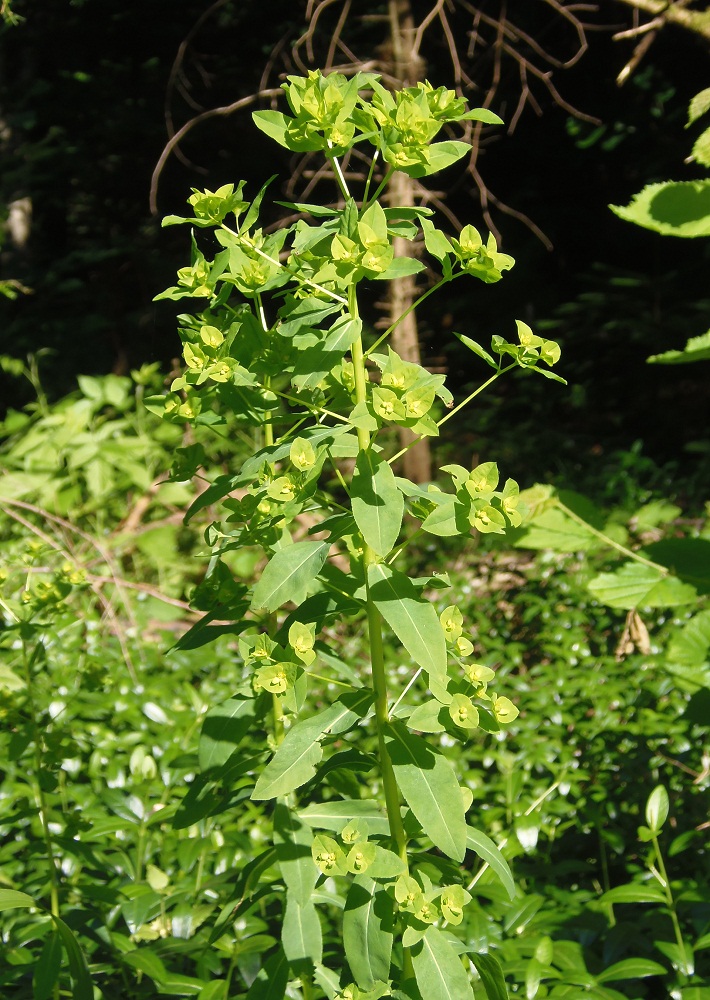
{"x":673,"y":208}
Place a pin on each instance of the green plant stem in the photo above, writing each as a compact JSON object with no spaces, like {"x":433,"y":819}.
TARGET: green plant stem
{"x":370,"y":173}
{"x":340,"y":179}
{"x":668,"y":893}
{"x":39,"y":796}
{"x":383,"y":184}
{"x":278,"y":720}
{"x":610,"y":541}
{"x":377,"y":658}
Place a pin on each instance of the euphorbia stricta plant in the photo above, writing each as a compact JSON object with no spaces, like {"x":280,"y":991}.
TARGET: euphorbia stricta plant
{"x":367,"y":874}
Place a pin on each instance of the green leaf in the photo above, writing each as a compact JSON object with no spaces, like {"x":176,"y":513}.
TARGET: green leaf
{"x":289,"y":574}
{"x":701,"y":149}
{"x":553,"y":529}
{"x":635,"y":585}
{"x":481,"y":115}
{"x":301,"y":937}
{"x":440,"y":155}
{"x":698,"y":106}
{"x":686,"y":558}
{"x":48,"y":966}
{"x":368,"y":922}
{"x":430,"y":789}
{"x":634,"y":894}
{"x":11,"y":899}
{"x":294,"y":763}
{"x":82,"y":988}
{"x":673,"y":208}
{"x":377,"y":503}
{"x":413,"y":620}
{"x":438,"y":969}
{"x":293,"y":840}
{"x":435,"y":241}
{"x":273,"y":124}
{"x":337,"y":813}
{"x":477,"y":349}
{"x":488,"y":968}
{"x":487,"y":850}
{"x":697,"y":349}
{"x":631,"y":968}
{"x":271,"y":980}
{"x":223,"y":729}
{"x":400,"y":267}
{"x":657,"y":808}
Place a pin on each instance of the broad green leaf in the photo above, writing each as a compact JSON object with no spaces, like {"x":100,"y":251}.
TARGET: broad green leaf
{"x":701,"y":149}
{"x":337,"y":813}
{"x":377,"y":503}
{"x":342,"y":334}
{"x":673,"y":208}
{"x":412,"y":619}
{"x":634,"y":894}
{"x":430,"y":789}
{"x":450,"y":517}
{"x":294,"y":763}
{"x":698,"y":106}
{"x":697,"y":349}
{"x":223,"y":729}
{"x":400,"y":267}
{"x":435,"y":241}
{"x":631,"y":968}
{"x":48,"y":966}
{"x":553,"y":529}
{"x":273,"y":124}
{"x":271,"y":980}
{"x":289,"y":574}
{"x":11,"y":899}
{"x":301,"y":937}
{"x":689,"y":646}
{"x":681,"y":956}
{"x":368,"y":922}
{"x":440,"y":156}
{"x":635,"y":585}
{"x":687,"y":558}
{"x":293,"y":839}
{"x":488,"y":968}
{"x":487,"y":850}
{"x":438,"y":969}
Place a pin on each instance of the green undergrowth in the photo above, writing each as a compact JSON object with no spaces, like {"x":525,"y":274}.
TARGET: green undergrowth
{"x":122,"y":795}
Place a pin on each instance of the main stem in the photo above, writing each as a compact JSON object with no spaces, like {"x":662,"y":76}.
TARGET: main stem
{"x":40,"y":800}
{"x":377,"y":657}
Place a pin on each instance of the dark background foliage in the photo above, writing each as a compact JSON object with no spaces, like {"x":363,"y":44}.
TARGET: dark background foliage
{"x":84,"y":95}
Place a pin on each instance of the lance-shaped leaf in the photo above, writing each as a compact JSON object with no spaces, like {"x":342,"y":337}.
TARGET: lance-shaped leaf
{"x":412,"y":619}
{"x":294,"y":763}
{"x":301,"y":937}
{"x":487,"y":850}
{"x":271,"y":980}
{"x":438,"y":969}
{"x":293,"y":839}
{"x":367,"y":932}
{"x":223,"y":729}
{"x":430,"y":789}
{"x":491,"y":974}
{"x":377,"y":504}
{"x":337,"y":813}
{"x":289,"y":574}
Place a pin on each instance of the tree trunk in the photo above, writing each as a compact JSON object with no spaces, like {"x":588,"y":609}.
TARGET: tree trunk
{"x":407,"y":68}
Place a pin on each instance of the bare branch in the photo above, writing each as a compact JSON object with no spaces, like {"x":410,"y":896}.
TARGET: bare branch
{"x":228,"y":109}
